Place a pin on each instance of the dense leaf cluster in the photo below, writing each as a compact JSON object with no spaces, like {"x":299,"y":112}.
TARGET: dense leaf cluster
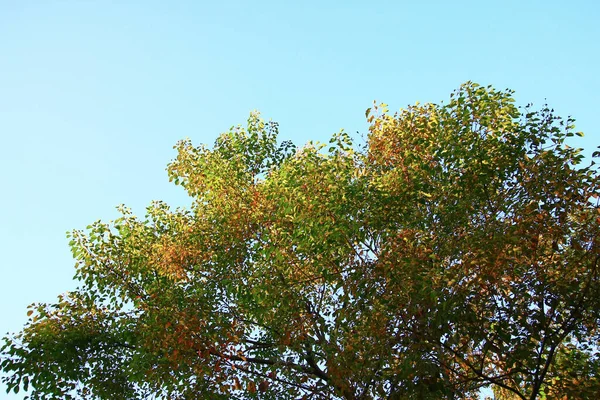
{"x":458,"y":249}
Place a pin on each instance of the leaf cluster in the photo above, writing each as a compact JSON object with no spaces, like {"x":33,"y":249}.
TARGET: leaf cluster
{"x":457,"y":250}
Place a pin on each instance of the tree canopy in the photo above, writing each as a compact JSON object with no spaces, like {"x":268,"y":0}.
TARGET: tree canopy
{"x":456,"y":249}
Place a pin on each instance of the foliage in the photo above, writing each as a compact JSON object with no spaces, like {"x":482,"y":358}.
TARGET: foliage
{"x":458,"y":249}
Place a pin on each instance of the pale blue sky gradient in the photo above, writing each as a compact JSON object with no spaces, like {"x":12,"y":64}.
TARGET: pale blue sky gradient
{"x":94,"y":94}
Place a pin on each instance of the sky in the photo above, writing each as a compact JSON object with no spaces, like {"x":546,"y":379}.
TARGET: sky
{"x":95,"y":94}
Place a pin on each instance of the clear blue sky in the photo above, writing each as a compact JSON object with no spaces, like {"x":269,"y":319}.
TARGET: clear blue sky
{"x":94,"y":94}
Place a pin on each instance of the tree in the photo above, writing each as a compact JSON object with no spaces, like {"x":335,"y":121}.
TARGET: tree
{"x":457,"y":249}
